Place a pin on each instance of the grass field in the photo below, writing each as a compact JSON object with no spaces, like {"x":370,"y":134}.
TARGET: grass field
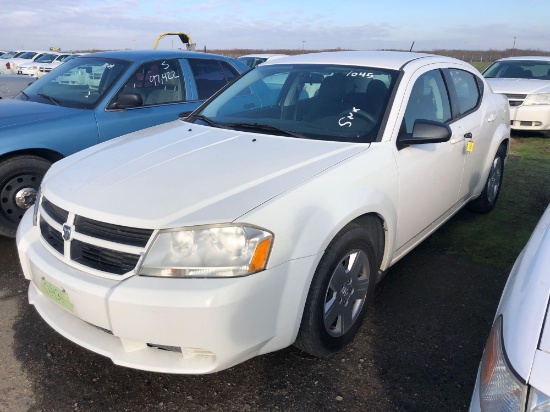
{"x":496,"y":239}
{"x":480,"y":65}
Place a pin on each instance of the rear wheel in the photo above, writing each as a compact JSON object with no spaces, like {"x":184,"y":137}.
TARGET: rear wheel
{"x":488,"y":197}
{"x":340,"y":292}
{"x":20,"y":178}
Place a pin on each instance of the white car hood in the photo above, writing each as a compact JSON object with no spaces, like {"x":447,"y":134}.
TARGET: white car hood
{"x":519,"y":86}
{"x":180,"y":174}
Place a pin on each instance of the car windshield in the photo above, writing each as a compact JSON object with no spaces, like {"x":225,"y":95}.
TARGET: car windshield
{"x":79,"y":83}
{"x":47,"y":58}
{"x":8,"y":55}
{"x":27,"y":55}
{"x":322,"y":102}
{"x":519,"y":69}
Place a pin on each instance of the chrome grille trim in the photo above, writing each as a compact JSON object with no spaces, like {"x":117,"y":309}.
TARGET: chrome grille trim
{"x":99,"y":248}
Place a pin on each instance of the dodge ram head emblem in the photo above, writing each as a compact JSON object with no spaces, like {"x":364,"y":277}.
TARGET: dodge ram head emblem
{"x":66,"y":232}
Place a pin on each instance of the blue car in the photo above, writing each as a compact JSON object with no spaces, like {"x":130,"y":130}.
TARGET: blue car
{"x":91,"y":99}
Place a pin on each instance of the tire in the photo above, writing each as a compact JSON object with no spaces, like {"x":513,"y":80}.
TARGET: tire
{"x":489,"y":196}
{"x":341,"y":290}
{"x":20,"y":178}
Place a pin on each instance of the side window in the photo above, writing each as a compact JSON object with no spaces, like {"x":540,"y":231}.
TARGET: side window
{"x":229,"y":71}
{"x":157,"y":82}
{"x":209,"y":76}
{"x":466,"y":88}
{"x":429,"y":100}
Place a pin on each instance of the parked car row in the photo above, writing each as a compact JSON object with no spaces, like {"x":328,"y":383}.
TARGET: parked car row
{"x":34,"y":64}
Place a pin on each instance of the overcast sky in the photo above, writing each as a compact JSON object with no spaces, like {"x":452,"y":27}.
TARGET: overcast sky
{"x":276,"y":24}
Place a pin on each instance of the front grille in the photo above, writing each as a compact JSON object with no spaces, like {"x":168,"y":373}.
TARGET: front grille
{"x":56,"y":213}
{"x":87,"y":240}
{"x":52,"y":236}
{"x":106,"y":260}
{"x":113,"y":233}
{"x":516,"y":99}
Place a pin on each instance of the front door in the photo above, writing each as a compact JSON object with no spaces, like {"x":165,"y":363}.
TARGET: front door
{"x":430,"y":175}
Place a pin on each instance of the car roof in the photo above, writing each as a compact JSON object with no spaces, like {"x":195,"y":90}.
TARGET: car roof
{"x":264,"y":55}
{"x":536,"y":58}
{"x":145,"y":55}
{"x":386,"y":59}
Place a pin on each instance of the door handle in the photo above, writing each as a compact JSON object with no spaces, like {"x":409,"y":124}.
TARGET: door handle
{"x":468,"y":135}
{"x":491,"y":117}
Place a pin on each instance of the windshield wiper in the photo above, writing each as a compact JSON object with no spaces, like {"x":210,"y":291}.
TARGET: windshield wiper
{"x":266,"y":127}
{"x":207,"y":120}
{"x":53,"y":99}
{"x":25,"y":94}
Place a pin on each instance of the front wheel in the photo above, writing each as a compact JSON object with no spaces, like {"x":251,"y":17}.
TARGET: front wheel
{"x":340,"y":292}
{"x":488,"y":197}
{"x":20,"y":178}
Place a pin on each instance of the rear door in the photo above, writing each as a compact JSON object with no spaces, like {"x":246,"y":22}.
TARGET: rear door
{"x":474,"y":122}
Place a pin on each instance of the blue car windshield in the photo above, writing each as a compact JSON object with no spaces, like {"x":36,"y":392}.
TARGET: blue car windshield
{"x":78,"y":83}
{"x":323,"y":102}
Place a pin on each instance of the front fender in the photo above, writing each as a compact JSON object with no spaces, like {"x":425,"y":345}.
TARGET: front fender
{"x":364,"y":184}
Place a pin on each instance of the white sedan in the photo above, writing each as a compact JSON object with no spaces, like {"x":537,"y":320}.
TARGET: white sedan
{"x":267,"y":216}
{"x":526,"y":83}
{"x":32,"y":68}
{"x":514,"y":374}
{"x":10,"y":67}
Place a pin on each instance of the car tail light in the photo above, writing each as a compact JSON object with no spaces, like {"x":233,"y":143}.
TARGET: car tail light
{"x":7,"y":65}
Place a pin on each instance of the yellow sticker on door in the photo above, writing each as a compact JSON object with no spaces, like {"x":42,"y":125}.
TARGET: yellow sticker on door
{"x":470,"y":146}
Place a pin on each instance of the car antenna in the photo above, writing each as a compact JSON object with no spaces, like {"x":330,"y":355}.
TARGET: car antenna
{"x":412,"y":45}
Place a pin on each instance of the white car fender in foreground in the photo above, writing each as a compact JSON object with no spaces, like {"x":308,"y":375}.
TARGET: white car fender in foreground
{"x":523,"y":310}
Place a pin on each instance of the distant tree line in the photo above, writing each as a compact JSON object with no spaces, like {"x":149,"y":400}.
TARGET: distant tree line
{"x":466,"y":55}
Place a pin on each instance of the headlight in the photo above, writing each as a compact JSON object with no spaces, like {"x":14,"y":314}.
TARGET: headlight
{"x":208,"y":251}
{"x":537,"y":98}
{"x":499,"y":389}
{"x":538,"y":401}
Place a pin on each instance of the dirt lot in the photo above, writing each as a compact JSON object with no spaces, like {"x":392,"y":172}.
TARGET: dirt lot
{"x":418,"y":349}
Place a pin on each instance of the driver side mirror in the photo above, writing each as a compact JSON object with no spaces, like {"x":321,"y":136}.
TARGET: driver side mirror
{"x":425,"y":131}
{"x":126,"y":100}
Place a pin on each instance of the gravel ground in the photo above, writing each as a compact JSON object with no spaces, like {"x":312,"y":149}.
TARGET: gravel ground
{"x":418,"y":350}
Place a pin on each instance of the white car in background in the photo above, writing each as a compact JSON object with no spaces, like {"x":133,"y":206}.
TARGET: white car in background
{"x":31,"y":69}
{"x":10,"y":67}
{"x":268,"y":215}
{"x":45,"y":68}
{"x":252,"y":60}
{"x":525,"y":81}
{"x":514,"y":374}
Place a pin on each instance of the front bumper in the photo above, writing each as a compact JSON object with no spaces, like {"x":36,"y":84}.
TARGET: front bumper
{"x":536,"y":117}
{"x":166,"y":324}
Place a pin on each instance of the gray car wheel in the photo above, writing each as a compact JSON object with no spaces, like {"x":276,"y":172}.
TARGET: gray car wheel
{"x":341,"y":290}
